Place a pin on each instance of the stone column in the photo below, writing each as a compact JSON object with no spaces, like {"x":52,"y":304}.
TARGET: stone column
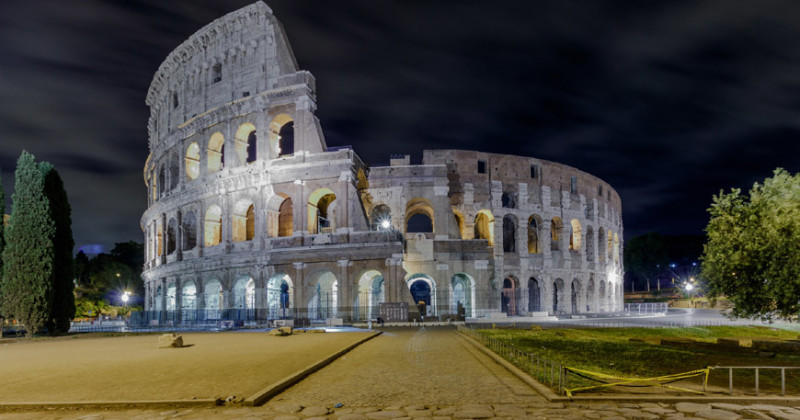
{"x":345,"y":300}
{"x":300,"y":290}
{"x":163,"y":238}
{"x":180,"y":236}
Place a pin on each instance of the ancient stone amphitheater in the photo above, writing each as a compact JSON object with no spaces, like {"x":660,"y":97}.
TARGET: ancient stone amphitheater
{"x":252,"y":217}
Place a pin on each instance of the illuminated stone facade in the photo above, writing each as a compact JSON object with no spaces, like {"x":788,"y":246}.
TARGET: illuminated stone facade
{"x":252,"y":216}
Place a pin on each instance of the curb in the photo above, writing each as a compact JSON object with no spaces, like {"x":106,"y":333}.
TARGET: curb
{"x":544,"y":391}
{"x":109,"y":404}
{"x":272,"y":390}
{"x":553,"y":397}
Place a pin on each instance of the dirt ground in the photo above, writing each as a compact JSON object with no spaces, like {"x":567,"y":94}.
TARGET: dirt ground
{"x":132,"y":368}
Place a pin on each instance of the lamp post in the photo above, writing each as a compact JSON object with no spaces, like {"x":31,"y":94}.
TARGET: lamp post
{"x":125,"y":297}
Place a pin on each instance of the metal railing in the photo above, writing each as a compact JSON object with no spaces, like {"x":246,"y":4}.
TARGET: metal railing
{"x":544,"y":370}
{"x":756,"y":370}
{"x":646,"y":308}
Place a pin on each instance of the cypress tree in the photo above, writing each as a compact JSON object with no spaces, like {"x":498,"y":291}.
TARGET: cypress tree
{"x":27,"y":286}
{"x":63,"y":309}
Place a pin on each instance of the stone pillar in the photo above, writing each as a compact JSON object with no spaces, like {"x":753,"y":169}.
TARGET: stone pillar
{"x":180,"y":236}
{"x":300,"y":290}
{"x":163,"y":238}
{"x":345,"y":300}
{"x":260,"y":296}
{"x":163,"y":285}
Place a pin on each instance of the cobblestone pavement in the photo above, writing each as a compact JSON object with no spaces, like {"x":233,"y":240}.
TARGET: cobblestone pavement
{"x":423,"y":374}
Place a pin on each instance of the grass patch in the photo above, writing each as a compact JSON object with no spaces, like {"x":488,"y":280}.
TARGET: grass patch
{"x":610,"y":351}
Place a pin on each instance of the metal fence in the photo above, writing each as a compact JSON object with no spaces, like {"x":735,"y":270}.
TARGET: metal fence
{"x":647,"y":308}
{"x":544,"y":370}
{"x":756,"y":370}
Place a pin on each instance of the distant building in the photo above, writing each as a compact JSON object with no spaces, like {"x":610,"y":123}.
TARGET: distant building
{"x":252,"y":216}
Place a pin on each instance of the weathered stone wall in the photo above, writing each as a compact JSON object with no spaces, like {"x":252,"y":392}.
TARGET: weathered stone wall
{"x":244,"y":214}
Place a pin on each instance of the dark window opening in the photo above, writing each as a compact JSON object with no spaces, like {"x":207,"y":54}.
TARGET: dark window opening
{"x":419,"y":223}
{"x":174,"y":100}
{"x":251,"y":147}
{"x":216,"y":72}
{"x":481,"y":166}
{"x":287,"y":139}
{"x":573,"y":185}
{"x":245,"y":94}
{"x":600,"y":190}
{"x":534,"y":169}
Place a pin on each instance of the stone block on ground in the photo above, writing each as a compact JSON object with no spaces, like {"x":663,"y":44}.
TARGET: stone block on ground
{"x":689,"y":407}
{"x":167,"y":341}
{"x":717,"y":414}
{"x":281,"y":331}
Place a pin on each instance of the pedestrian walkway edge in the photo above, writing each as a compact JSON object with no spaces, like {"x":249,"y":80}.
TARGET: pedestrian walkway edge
{"x":524,"y":377}
{"x":28,"y":406}
{"x":276,"y":388}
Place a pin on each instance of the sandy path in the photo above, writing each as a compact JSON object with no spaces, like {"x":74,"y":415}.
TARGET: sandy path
{"x":132,"y":368}
{"x":411,"y":367}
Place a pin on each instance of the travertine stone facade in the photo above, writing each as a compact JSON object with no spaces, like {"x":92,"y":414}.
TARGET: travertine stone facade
{"x":250,"y":210}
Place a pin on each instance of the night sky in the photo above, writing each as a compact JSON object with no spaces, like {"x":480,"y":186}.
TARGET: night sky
{"x":667,"y":101}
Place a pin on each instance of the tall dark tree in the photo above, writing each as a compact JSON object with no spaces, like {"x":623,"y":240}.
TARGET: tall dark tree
{"x":646,"y":256}
{"x":27,"y":286}
{"x":63,"y":308}
{"x":2,"y":225}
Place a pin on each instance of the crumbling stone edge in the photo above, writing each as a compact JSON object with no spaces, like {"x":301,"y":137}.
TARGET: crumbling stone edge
{"x":264,"y":395}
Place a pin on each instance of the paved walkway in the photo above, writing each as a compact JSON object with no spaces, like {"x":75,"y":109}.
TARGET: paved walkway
{"x":411,"y":366}
{"x":427,"y":374}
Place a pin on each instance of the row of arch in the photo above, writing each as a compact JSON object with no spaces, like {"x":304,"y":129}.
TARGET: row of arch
{"x":559,"y":296}
{"x":420,"y":218}
{"x":245,"y":150}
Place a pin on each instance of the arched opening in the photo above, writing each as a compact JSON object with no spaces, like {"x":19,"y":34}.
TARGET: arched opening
{"x":589,"y":243}
{"x":419,"y":222}
{"x":245,"y":143}
{"x":484,"y":226}
{"x":320,"y":206}
{"x":463,"y":295}
{"x":575,"y":235}
{"x":509,"y":233}
{"x":381,"y":218}
{"x":188,"y":301}
{"x":174,"y":171}
{"x":286,"y":218}
{"x":610,"y":245}
{"x":192,"y":162}
{"x":160,"y":241}
{"x":555,"y":233}
{"x":215,"y":152}
{"x":509,"y":200}
{"x":534,"y":299}
{"x":509,"y":297}
{"x":533,"y":235}
{"x":243,"y":221}
{"x":281,"y":135}
{"x":371,"y":293}
{"x":419,"y":215}
{"x":280,"y":296}
{"x":171,"y":297}
{"x":172,"y":234}
{"x":244,"y":294}
{"x":189,"y":231}
{"x":421,"y":292}
{"x":213,"y":297}
{"x":213,"y":226}
{"x":616,"y":249}
{"x":324,"y":301}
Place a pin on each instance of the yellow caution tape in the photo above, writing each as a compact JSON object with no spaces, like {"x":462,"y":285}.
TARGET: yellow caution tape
{"x":661,"y":381}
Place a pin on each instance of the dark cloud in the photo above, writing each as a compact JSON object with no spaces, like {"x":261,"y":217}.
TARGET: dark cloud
{"x":667,"y":101}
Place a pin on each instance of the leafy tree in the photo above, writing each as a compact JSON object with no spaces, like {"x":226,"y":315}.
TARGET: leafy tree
{"x":28,"y":258}
{"x":63,"y":308}
{"x":753,"y":248}
{"x":2,"y":236}
{"x":646,"y":257}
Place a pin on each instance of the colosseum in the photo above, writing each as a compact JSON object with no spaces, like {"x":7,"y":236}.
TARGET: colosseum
{"x":253,"y":218}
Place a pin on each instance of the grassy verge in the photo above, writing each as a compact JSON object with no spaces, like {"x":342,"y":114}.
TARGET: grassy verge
{"x":611,"y":351}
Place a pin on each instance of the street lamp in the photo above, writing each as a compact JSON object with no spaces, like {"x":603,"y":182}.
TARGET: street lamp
{"x":125,"y":296}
